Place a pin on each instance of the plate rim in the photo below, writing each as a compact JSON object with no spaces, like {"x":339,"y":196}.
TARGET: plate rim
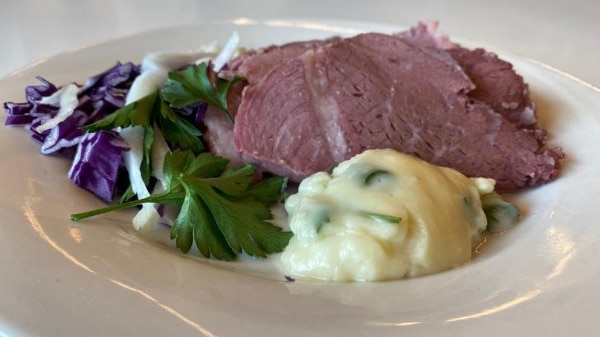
{"x":133,"y":36}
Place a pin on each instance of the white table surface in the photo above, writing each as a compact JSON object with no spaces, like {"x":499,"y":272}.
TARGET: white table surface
{"x":562,"y":33}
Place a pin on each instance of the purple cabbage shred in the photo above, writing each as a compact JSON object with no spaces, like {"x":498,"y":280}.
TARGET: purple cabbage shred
{"x":34,"y":93}
{"x":96,"y":157}
{"x":100,"y":96}
{"x":96,"y":164}
{"x":194,"y":113}
{"x":66,"y":134}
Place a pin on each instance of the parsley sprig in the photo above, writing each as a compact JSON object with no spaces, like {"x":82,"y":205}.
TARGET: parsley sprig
{"x":223,"y":210}
{"x":193,"y":85}
{"x":182,"y":88}
{"x":147,"y":111}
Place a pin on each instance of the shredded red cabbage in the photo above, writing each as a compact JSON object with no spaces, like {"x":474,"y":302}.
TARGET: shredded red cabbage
{"x":96,"y":157}
{"x":107,"y":91}
{"x":97,"y":162}
{"x":34,"y":93}
{"x":27,"y":112}
{"x":193,"y":113}
{"x":65,"y":135}
{"x":99,"y":96}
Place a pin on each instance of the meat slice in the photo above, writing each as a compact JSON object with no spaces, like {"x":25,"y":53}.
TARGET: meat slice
{"x":425,"y":34}
{"x":379,"y":91}
{"x":498,"y":85}
{"x":255,"y":64}
{"x":496,"y":82}
{"x":282,"y":143}
{"x":219,"y":134}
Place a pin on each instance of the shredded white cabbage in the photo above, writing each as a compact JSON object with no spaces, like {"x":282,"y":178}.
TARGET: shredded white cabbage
{"x":160,"y":148}
{"x":146,"y":218}
{"x":65,"y":99}
{"x":227,"y":52}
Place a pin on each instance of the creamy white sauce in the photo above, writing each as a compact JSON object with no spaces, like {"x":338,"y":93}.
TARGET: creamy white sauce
{"x":383,"y":215}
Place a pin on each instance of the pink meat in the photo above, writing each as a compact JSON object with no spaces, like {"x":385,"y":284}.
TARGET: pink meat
{"x":308,"y":105}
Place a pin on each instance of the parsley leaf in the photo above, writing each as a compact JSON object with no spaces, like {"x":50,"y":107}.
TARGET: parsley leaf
{"x":223,"y":211}
{"x":135,"y":113}
{"x":145,"y":112}
{"x":178,"y":130}
{"x":193,"y":85}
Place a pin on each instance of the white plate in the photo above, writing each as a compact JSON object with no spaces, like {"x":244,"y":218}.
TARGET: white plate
{"x":97,"y":278}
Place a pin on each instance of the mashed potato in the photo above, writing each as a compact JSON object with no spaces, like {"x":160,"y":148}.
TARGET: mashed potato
{"x":383,"y":215}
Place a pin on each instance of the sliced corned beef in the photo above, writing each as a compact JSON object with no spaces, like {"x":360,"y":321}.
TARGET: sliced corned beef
{"x":378,"y":91}
{"x":255,"y":64}
{"x":425,"y":34}
{"x":281,"y":132}
{"x":497,"y":84}
{"x":219,"y":134}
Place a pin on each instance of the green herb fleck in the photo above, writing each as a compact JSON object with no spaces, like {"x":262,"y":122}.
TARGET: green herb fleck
{"x":500,"y":213}
{"x":370,"y":177}
{"x":383,"y":217}
{"x":321,"y":218}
